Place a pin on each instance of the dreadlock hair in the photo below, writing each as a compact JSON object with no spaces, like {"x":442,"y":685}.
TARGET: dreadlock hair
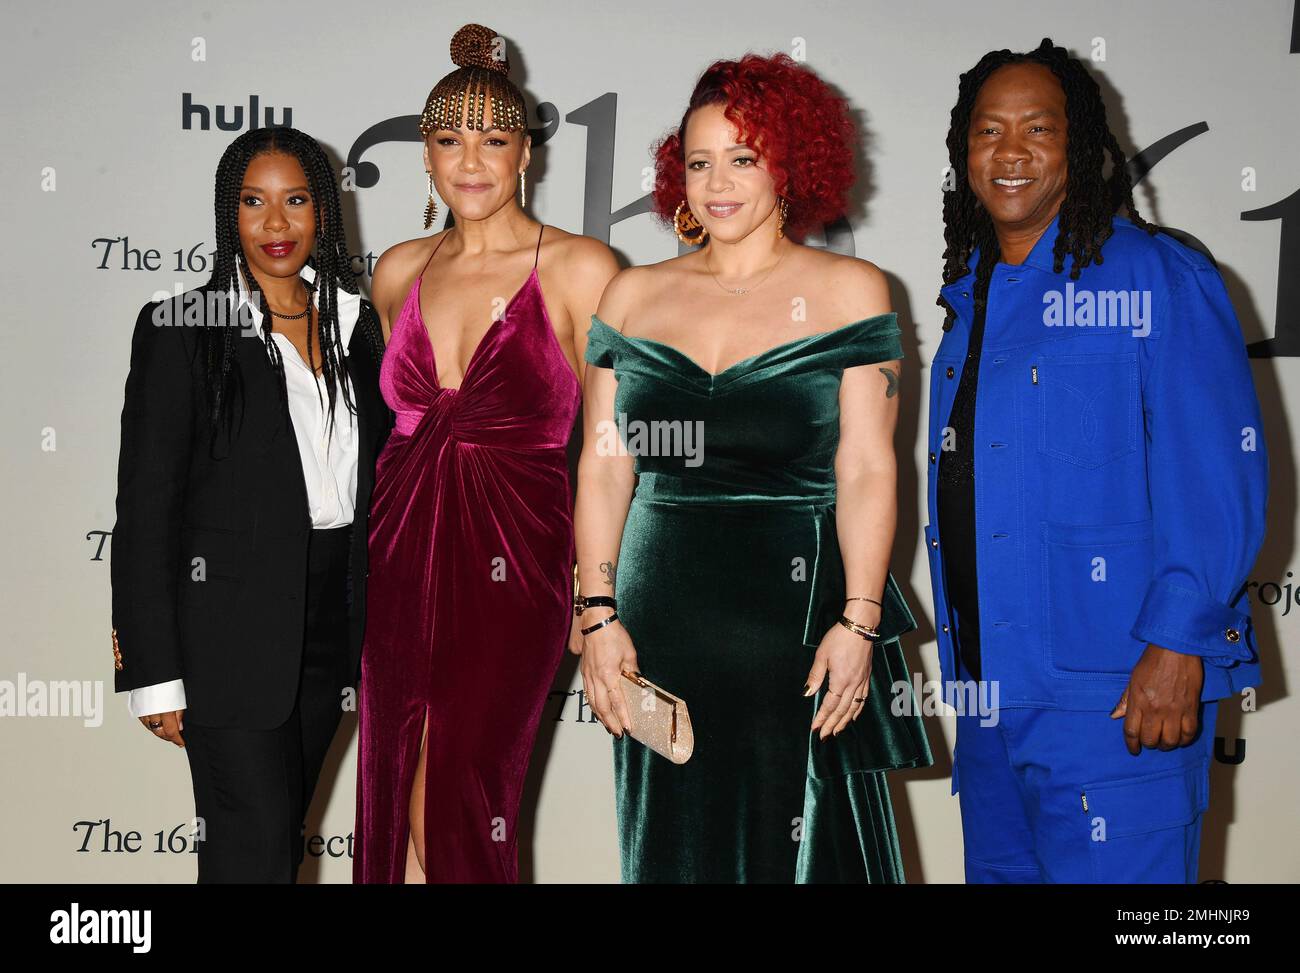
{"x":1091,"y":199}
{"x":222,"y":382}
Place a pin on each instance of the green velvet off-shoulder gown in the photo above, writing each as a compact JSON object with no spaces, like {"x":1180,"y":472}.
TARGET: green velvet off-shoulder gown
{"x":728,"y":575}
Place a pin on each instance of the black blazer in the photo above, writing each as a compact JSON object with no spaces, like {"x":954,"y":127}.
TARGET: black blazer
{"x":240,"y":504}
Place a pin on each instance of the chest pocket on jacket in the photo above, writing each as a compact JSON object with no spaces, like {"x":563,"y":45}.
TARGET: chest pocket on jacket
{"x":1088,"y":410}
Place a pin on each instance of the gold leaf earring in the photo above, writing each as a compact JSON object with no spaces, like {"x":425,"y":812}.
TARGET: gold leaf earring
{"x":689,"y":230}
{"x":780,"y":220}
{"x":522,"y":201}
{"x":431,"y":207}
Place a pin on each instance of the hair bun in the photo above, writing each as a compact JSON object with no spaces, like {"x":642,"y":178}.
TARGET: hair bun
{"x":476,"y":46}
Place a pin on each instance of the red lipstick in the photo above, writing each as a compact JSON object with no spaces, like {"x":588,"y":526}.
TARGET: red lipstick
{"x":279,"y":249}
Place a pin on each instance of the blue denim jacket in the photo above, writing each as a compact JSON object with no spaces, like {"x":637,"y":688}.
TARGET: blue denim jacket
{"x":1121,"y":475}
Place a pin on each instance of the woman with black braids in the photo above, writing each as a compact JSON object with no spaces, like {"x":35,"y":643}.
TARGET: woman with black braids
{"x":249,"y":434}
{"x":1095,"y":501}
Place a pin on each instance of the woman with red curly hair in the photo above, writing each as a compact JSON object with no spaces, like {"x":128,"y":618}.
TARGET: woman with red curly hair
{"x":736,"y":509}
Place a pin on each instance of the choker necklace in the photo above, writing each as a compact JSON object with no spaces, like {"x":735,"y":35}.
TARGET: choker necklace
{"x":741,"y":291}
{"x":291,"y":317}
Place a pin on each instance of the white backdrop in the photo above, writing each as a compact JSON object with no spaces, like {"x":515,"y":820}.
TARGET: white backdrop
{"x":109,"y":202}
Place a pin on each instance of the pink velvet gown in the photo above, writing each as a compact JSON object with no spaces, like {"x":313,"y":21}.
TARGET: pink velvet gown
{"x":470,"y":591}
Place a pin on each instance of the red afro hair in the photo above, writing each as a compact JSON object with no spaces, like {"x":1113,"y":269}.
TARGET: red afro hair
{"x":801,"y":130}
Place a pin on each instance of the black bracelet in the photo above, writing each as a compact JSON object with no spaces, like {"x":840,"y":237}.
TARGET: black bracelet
{"x":600,"y":624}
{"x":581,"y":604}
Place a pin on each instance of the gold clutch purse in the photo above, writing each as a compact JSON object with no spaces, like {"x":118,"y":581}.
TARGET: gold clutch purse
{"x":659,"y":719}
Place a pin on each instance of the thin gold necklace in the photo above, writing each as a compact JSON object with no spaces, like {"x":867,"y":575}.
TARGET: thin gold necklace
{"x":741,"y":291}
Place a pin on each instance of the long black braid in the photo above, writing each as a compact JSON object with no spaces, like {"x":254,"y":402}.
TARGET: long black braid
{"x":222,"y":382}
{"x":1091,"y":199}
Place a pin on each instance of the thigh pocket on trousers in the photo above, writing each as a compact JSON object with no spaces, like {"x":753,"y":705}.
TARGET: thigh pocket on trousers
{"x":1143,"y":829}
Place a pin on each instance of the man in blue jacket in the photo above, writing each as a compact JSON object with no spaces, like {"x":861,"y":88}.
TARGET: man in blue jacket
{"x":1096,"y":493}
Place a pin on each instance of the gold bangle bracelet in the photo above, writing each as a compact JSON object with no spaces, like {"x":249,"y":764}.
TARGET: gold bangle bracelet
{"x":862,"y":598}
{"x":868,"y":633}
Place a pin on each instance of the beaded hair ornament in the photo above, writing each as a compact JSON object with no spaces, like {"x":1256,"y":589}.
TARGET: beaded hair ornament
{"x":482,"y":77}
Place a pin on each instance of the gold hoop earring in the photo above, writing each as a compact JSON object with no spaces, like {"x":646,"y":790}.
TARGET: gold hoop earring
{"x":780,"y":220}
{"x":522,"y":202}
{"x":689,"y":230}
{"x":431,"y":207}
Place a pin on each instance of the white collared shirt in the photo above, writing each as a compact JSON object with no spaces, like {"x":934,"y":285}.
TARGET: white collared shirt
{"x":329,"y":461}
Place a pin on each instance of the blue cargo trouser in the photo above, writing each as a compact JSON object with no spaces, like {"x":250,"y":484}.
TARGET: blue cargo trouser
{"x":1054,"y":796}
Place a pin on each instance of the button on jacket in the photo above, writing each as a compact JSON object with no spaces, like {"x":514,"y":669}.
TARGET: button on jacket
{"x":1120,"y":472}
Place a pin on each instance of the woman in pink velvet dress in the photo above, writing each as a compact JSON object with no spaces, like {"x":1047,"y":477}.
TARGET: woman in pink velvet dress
{"x":471,"y":536}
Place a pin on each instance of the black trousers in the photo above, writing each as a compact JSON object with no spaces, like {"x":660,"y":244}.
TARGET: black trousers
{"x":252,"y":788}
